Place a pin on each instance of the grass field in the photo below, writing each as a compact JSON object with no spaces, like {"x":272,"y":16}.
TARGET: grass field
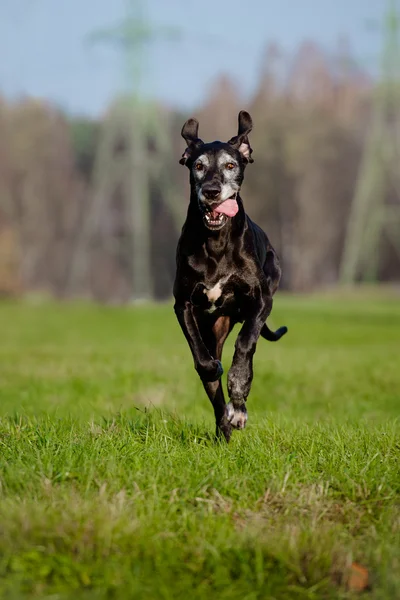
{"x":112,"y":486}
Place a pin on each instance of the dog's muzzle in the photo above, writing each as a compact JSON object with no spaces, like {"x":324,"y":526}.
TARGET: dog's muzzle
{"x":216,"y":214}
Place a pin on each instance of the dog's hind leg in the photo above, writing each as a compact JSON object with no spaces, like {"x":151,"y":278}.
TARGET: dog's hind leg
{"x":215,"y":340}
{"x":216,"y":395}
{"x":272,"y":271}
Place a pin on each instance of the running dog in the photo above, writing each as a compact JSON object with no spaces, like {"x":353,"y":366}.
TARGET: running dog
{"x":227,"y":271}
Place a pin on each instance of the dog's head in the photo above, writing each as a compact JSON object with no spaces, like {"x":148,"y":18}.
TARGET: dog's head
{"x":217,"y":170}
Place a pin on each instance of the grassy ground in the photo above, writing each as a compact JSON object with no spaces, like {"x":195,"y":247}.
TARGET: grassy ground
{"x":111,"y":485}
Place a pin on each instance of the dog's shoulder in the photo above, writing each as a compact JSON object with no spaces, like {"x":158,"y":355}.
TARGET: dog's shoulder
{"x":266,"y":254}
{"x":258,"y":233}
{"x":259,"y":239}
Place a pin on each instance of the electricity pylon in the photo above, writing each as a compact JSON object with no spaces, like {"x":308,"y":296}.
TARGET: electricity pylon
{"x":372,"y":215}
{"x":135,"y":120}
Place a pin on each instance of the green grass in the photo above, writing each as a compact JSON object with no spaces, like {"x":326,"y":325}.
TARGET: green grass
{"x":112,"y":486}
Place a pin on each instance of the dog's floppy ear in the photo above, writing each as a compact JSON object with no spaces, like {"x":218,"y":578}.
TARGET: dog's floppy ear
{"x":189,"y":133}
{"x":241,"y":141}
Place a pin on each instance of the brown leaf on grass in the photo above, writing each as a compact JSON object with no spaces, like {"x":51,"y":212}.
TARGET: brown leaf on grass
{"x":358,"y":578}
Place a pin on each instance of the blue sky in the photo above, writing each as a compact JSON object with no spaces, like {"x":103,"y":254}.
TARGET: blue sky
{"x":42,"y":44}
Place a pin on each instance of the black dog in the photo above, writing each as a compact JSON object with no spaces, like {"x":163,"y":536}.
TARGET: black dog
{"x":227,"y":271}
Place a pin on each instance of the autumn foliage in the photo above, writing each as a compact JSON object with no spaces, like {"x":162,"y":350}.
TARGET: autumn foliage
{"x":311,"y":116}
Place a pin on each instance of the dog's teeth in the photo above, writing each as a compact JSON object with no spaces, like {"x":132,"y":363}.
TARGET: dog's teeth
{"x":214,"y":221}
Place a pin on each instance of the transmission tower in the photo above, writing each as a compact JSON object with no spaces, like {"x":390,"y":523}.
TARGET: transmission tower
{"x":376,"y":204}
{"x":136,"y":120}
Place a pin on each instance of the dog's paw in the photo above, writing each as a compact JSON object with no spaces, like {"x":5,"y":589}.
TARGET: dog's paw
{"x":236,"y":416}
{"x":211,"y":372}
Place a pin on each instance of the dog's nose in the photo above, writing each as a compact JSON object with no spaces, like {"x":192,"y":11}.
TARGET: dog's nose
{"x":211,"y":192}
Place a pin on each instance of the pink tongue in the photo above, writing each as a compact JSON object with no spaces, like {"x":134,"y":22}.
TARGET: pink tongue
{"x":228,"y":208}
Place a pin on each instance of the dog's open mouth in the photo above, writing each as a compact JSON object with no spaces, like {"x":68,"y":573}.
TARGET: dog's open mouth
{"x":215,"y":218}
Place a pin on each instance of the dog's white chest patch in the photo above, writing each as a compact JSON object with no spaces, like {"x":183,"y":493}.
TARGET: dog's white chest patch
{"x":214,"y":294}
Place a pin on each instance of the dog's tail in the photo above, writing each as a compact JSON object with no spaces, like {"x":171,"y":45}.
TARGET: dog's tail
{"x":272,"y":336}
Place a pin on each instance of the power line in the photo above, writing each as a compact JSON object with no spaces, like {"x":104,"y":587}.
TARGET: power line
{"x":371,"y":215}
{"x":135,"y":120}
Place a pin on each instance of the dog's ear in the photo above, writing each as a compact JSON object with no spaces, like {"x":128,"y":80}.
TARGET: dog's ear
{"x":241,"y":140}
{"x":189,"y":133}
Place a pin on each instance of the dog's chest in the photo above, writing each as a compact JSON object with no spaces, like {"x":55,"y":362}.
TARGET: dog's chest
{"x":212,"y":296}
{"x":215,"y":295}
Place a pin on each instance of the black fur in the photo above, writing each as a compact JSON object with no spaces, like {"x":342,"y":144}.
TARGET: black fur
{"x":234,"y":257}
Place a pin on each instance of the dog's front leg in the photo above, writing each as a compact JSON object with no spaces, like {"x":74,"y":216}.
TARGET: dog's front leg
{"x":207,"y":367}
{"x":240,"y":374}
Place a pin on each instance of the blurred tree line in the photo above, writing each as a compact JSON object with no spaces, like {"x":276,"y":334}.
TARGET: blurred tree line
{"x":310,"y":117}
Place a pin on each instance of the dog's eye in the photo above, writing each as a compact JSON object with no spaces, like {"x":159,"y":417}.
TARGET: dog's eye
{"x":230,"y":166}
{"x":199,"y":167}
